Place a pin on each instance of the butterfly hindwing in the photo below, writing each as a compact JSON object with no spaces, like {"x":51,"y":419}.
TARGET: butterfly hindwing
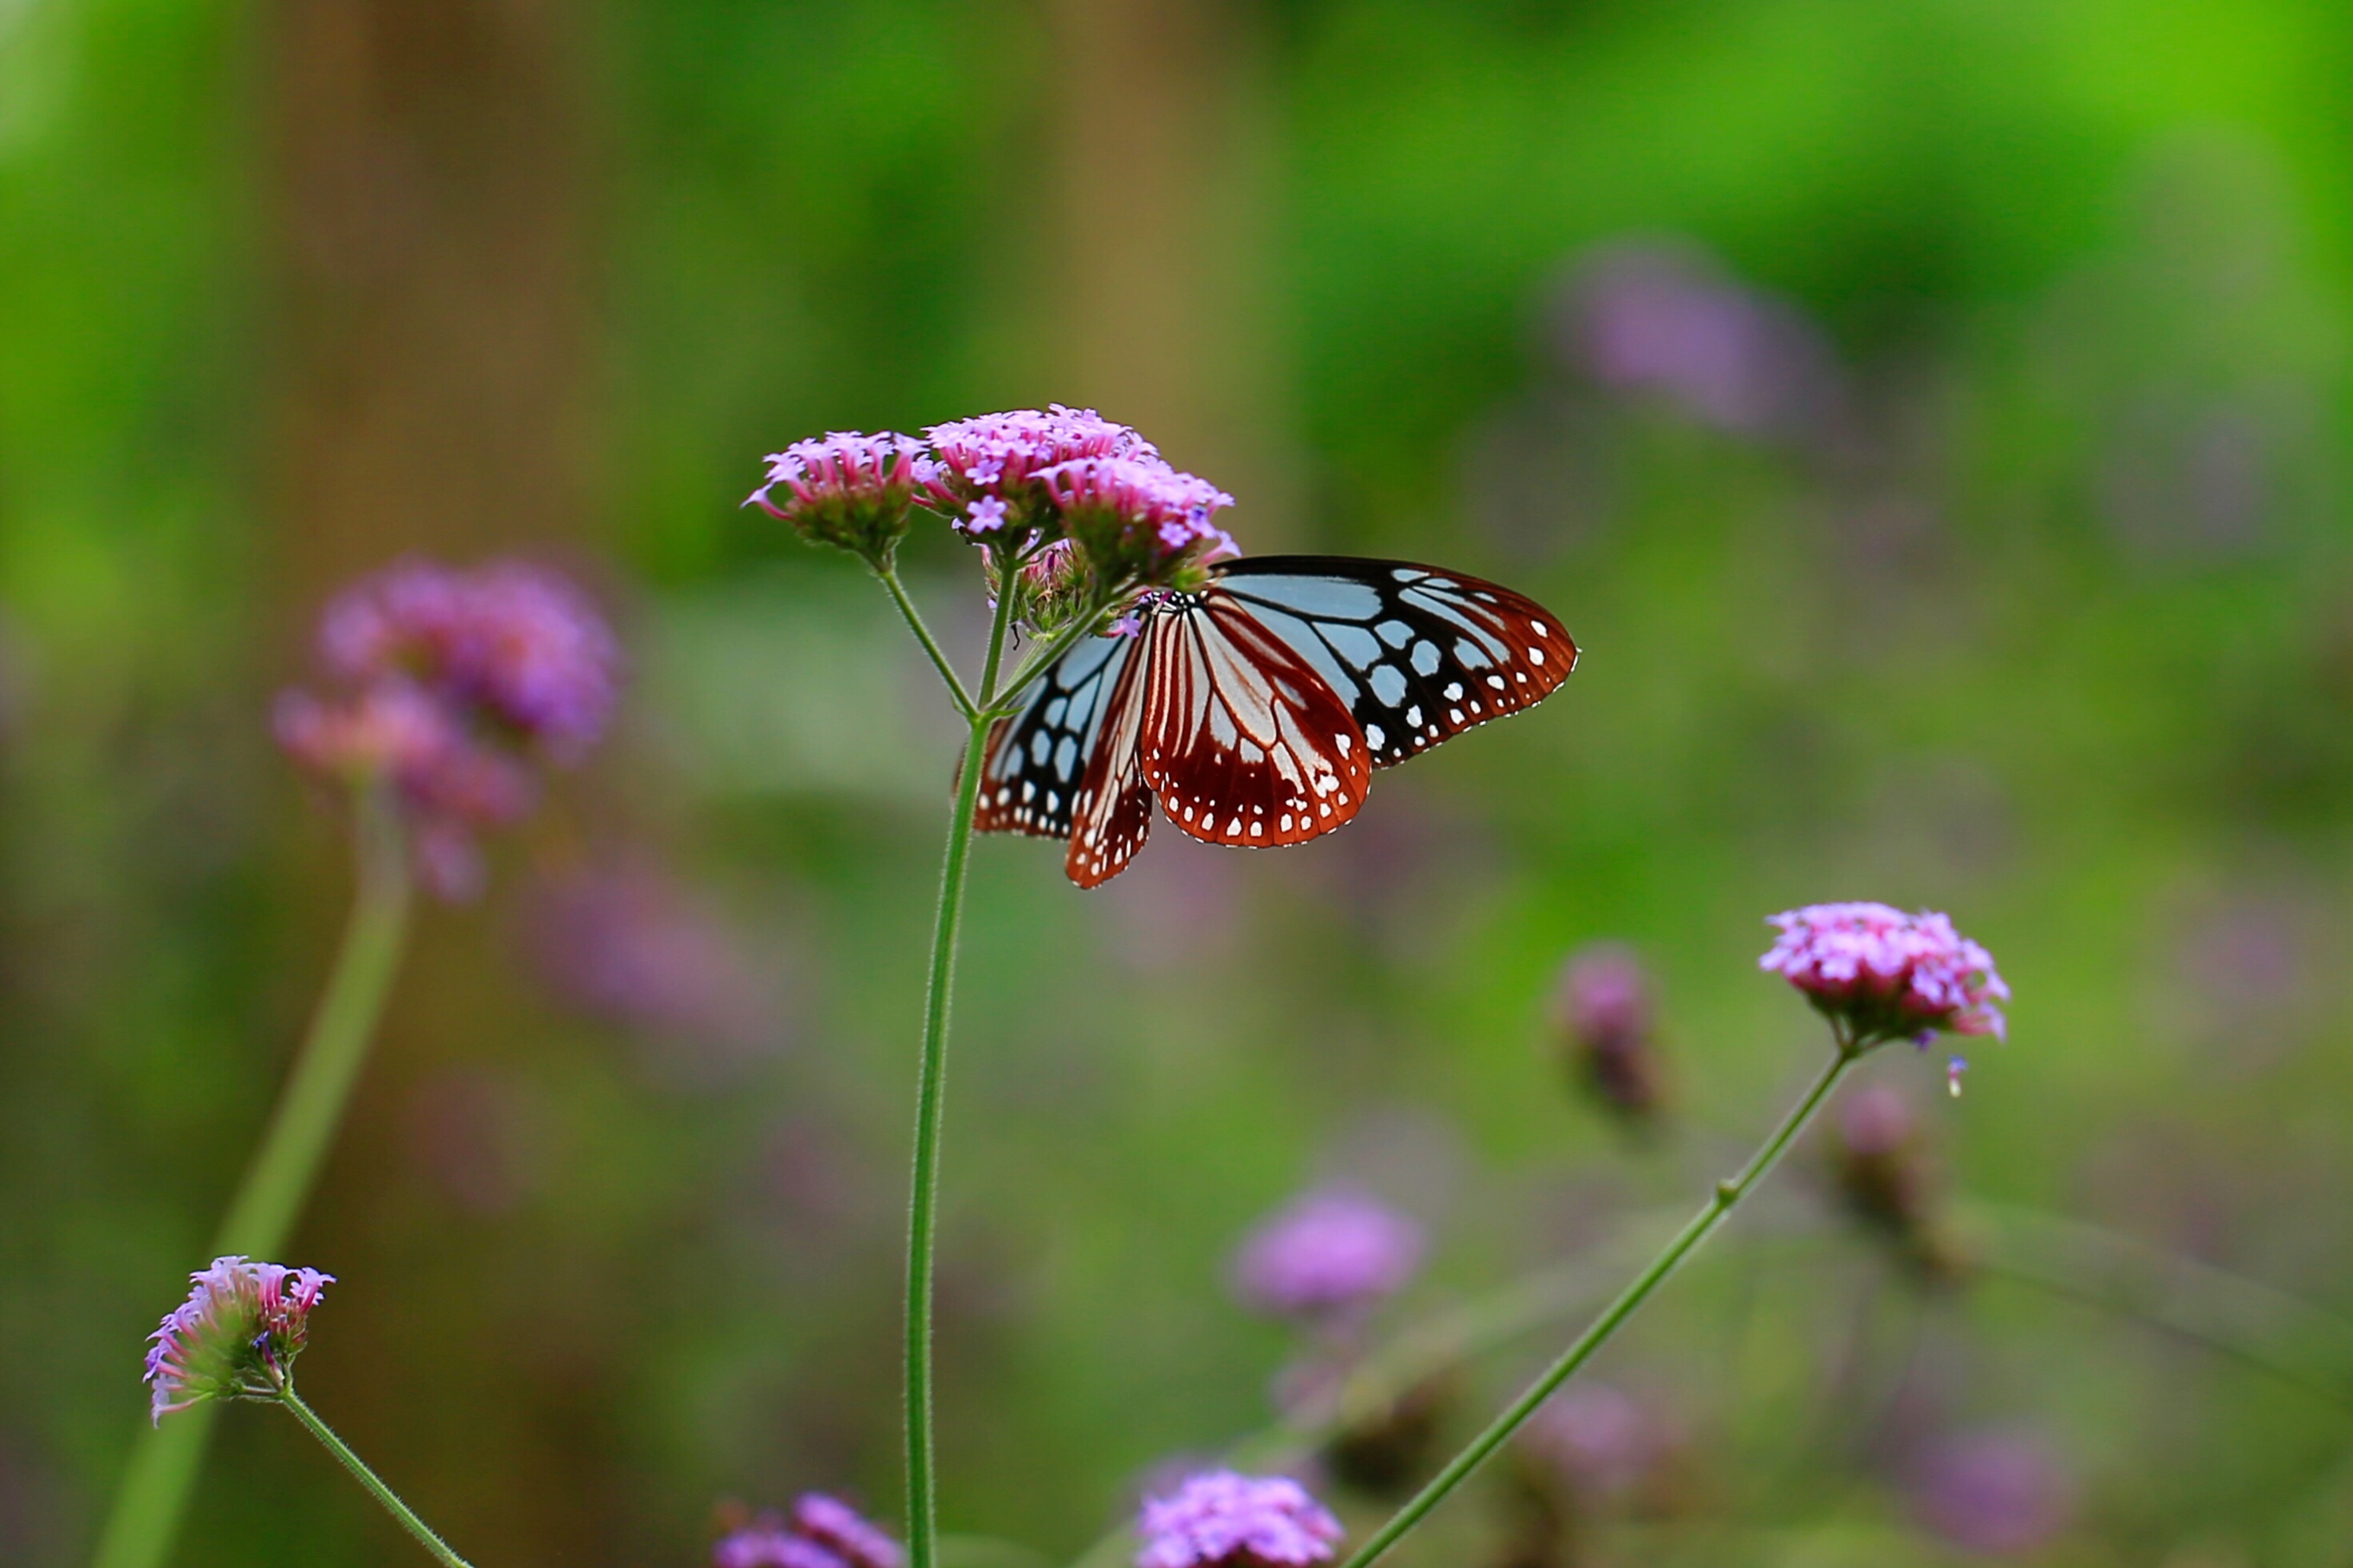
{"x":1418,"y":654}
{"x":1113,"y":810}
{"x":1241,"y":740}
{"x":1039,"y":758}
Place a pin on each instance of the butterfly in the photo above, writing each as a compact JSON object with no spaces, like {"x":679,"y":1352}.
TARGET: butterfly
{"x":1254,"y":711}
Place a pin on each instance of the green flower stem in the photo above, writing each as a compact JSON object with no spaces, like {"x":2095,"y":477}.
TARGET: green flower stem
{"x":148,"y":1508}
{"x":922,"y":1218}
{"x":1701,"y":1225}
{"x":963,"y":699}
{"x":368,"y":1478}
{"x":311,"y":1110}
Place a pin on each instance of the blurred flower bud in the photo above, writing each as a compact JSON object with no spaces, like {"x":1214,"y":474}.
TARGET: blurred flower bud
{"x":1600,"y":1440}
{"x":628,"y":943}
{"x":509,"y":646}
{"x":2001,"y":1493}
{"x":1602,"y":1017}
{"x":1887,"y":1177}
{"x":1881,"y":1174}
{"x":1387,"y":1450}
{"x":1593,"y":1453}
{"x":236,"y":1336}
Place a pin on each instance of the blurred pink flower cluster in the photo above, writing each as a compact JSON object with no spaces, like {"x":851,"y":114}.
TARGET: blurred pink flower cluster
{"x":1222,"y":1519}
{"x":1329,"y":1255}
{"x":820,"y":1532}
{"x":452,"y":686}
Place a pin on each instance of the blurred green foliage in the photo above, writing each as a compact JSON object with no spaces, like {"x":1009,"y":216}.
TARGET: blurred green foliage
{"x":2051,"y":626}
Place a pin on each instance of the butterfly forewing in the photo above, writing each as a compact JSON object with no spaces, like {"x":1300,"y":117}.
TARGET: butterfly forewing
{"x":1039,"y":758}
{"x":1419,"y":655}
{"x":1243,"y":742}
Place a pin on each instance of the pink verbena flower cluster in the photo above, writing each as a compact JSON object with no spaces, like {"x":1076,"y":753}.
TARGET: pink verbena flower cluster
{"x":1222,"y":1519}
{"x":1087,"y":500}
{"x":1138,"y":517}
{"x":1328,"y":1255}
{"x":236,"y":1336}
{"x":820,"y":1532}
{"x":848,"y":488}
{"x":1880,"y":975}
{"x":456,"y":683}
{"x":993,"y":466}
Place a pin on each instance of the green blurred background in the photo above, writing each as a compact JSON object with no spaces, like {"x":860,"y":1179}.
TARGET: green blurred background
{"x":1998,"y":564}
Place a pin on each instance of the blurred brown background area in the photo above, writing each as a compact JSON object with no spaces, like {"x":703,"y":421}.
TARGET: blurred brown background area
{"x":436,"y":223}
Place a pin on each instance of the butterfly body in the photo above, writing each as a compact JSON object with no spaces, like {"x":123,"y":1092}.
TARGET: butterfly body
{"x":1256,"y":710}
